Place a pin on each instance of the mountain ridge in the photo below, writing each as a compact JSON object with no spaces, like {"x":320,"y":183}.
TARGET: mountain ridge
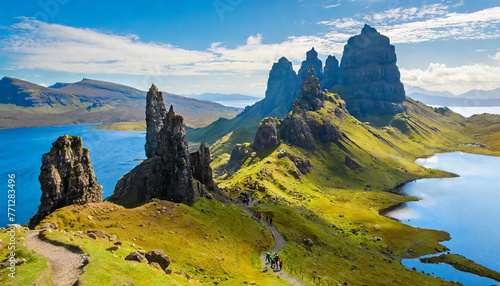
{"x":24,"y":104}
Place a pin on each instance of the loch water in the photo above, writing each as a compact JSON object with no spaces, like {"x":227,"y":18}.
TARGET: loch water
{"x":112,"y":153}
{"x":467,"y":207}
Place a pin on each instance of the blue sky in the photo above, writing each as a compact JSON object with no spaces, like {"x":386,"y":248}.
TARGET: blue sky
{"x":229,"y":46}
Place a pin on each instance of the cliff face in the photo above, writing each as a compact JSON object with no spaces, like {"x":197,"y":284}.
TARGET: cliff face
{"x":66,"y":178}
{"x":371,"y":78}
{"x":172,"y":173}
{"x":155,"y":114}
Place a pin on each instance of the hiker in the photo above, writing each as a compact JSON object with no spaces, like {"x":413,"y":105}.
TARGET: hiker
{"x":268,"y":257}
{"x":271,"y":220}
{"x":281,"y":264}
{"x":259,"y":215}
{"x":272,"y":262}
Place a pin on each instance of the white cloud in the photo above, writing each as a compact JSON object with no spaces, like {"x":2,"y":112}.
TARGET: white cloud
{"x":53,"y":47}
{"x":426,"y":23}
{"x":439,"y":77}
{"x":496,"y":56}
{"x":331,"y":6}
{"x":254,"y":40}
{"x":42,"y":84}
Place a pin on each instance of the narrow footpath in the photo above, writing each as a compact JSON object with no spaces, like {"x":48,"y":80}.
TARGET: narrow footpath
{"x":66,"y":265}
{"x":279,"y":243}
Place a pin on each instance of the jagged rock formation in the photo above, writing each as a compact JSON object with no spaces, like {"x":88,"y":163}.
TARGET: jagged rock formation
{"x":371,"y":78}
{"x":331,"y":73}
{"x":297,"y":128}
{"x":172,"y":173}
{"x":267,"y":135}
{"x":155,"y":114}
{"x":311,"y":97}
{"x":202,"y":172}
{"x":66,"y":178}
{"x":303,"y":131}
{"x":311,"y":61}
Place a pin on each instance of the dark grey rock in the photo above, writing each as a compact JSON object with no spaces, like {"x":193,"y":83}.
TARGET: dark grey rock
{"x":136,"y":256}
{"x":155,"y":114}
{"x":311,"y":61}
{"x":331,"y":73}
{"x":159,"y":257}
{"x":371,"y":78}
{"x":267,"y":135}
{"x":66,"y":178}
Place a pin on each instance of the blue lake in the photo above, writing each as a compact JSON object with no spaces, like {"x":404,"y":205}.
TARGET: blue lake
{"x":467,"y":207}
{"x":112,"y":154}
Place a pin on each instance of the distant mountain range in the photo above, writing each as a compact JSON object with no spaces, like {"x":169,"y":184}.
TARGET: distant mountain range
{"x":25,"y":104}
{"x":444,"y":98}
{"x":217,"y":97}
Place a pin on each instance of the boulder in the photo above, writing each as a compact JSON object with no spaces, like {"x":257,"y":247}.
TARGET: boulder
{"x":159,"y":257}
{"x":136,"y":256}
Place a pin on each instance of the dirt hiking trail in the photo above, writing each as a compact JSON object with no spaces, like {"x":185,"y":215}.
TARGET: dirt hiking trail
{"x":66,"y":265}
{"x":279,"y":243}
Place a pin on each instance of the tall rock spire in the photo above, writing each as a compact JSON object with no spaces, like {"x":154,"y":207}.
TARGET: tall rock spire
{"x":155,"y":113}
{"x":66,"y":178}
{"x":311,"y":61}
{"x":370,"y":75}
{"x":280,"y":89}
{"x":172,"y":173}
{"x":331,"y":73}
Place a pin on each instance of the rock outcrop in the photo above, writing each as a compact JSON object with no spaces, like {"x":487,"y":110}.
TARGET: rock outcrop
{"x":66,"y":178}
{"x":331,"y":73}
{"x":370,"y":76}
{"x":172,"y":173}
{"x":311,"y":61}
{"x":155,"y":114}
{"x":311,"y":97}
{"x":267,"y":135}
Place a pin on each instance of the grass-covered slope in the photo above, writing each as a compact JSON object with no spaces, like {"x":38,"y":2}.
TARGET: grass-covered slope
{"x":209,"y":241}
{"x":336,"y":203}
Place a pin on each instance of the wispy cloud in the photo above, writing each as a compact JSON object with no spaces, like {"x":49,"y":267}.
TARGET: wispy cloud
{"x":426,"y":23}
{"x":331,"y":6}
{"x":38,"y":45}
{"x":454,"y":79}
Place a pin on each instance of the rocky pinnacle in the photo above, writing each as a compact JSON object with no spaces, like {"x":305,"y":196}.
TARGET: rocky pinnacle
{"x":155,"y":113}
{"x":66,"y":178}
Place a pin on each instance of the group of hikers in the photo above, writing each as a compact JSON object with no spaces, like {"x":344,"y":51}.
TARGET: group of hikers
{"x":275,"y":261}
{"x":268,"y":217}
